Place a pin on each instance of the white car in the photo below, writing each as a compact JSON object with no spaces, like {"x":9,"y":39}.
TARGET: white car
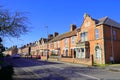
{"x":16,"y":55}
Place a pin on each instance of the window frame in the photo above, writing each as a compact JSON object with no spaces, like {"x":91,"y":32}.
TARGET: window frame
{"x":73,"y":39}
{"x":97,"y":36}
{"x":114,"y":35}
{"x":84,"y":36}
{"x":65,"y":41}
{"x":58,"y":44}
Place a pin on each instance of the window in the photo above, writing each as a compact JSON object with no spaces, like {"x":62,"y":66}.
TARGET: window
{"x":78,"y":53}
{"x":58,"y":44}
{"x":97,"y":33}
{"x":54,"y":44}
{"x":73,"y":39}
{"x":87,"y":24}
{"x":65,"y":41}
{"x":84,"y":36}
{"x":51,"y":46}
{"x":114,"y":35}
{"x":98,"y":52}
{"x":66,"y":52}
{"x":82,"y":53}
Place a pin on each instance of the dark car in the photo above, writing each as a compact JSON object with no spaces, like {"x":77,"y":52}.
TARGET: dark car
{"x":16,"y":55}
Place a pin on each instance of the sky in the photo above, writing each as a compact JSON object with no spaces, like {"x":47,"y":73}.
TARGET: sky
{"x":57,"y":15}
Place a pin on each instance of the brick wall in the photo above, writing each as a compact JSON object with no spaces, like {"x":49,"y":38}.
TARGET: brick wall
{"x":115,"y":44}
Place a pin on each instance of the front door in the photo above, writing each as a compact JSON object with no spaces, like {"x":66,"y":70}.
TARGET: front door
{"x":98,"y":53}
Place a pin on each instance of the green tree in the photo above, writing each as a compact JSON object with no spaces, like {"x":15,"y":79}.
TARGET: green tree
{"x":12,"y":24}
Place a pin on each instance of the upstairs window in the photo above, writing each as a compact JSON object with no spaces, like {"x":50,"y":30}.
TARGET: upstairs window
{"x":97,"y":33}
{"x":55,"y":45}
{"x":58,"y":44}
{"x":51,"y":45}
{"x":114,"y":35}
{"x":65,"y":41}
{"x":73,"y":39}
{"x":84,"y":36}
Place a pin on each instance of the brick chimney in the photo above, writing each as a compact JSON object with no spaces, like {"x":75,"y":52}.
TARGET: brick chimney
{"x":72,"y":27}
{"x":56,"y":34}
{"x":50,"y":36}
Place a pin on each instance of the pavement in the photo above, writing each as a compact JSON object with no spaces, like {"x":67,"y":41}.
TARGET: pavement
{"x":113,"y":67}
{"x":32,"y":69}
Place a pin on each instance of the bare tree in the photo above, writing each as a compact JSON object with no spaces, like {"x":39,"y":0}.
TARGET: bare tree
{"x":12,"y":25}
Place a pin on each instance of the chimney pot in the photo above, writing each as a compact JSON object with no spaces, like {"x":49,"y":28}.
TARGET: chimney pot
{"x":72,"y":27}
{"x":56,"y":34}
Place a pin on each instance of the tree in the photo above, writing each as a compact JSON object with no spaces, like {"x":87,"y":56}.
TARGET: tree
{"x":12,"y":25}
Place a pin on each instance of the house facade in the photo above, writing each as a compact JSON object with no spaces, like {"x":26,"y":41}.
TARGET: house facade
{"x":100,"y":39}
{"x":95,"y":41}
{"x":12,"y":50}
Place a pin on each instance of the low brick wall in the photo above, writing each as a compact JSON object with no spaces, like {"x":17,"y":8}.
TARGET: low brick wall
{"x":36,"y":56}
{"x":84,"y":61}
{"x":43,"y":58}
{"x":29,"y":56}
{"x":80,"y":61}
{"x":52,"y":59}
{"x":71,"y":60}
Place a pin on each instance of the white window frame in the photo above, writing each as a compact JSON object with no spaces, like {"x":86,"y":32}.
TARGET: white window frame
{"x":58,"y":44}
{"x":84,"y":36}
{"x":65,"y":41}
{"x":82,"y":53}
{"x":97,"y":36}
{"x":98,"y":53}
{"x":55,"y":45}
{"x":73,"y":39}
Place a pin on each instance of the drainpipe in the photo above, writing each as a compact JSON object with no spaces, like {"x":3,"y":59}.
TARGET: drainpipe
{"x":112,"y":44}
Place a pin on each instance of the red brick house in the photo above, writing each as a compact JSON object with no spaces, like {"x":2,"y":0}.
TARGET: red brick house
{"x":95,"y":41}
{"x":12,"y":50}
{"x":99,"y":38}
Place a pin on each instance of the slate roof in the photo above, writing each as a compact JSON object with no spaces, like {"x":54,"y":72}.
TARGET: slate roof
{"x":107,"y":21}
{"x":44,"y":39}
{"x":64,"y":35}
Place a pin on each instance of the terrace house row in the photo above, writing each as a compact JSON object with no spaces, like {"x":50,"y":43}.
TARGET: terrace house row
{"x":94,"y":41}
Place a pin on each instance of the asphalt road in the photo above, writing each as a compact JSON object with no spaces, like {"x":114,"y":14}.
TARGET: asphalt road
{"x":31,"y":69}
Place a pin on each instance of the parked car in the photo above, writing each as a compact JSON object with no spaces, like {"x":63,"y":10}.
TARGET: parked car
{"x":16,"y":55}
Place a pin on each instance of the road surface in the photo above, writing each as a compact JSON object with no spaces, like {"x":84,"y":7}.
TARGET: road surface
{"x":32,"y":69}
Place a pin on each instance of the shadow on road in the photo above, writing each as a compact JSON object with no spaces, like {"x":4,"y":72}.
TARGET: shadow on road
{"x":54,"y":72}
{"x":22,"y":62}
{"x":6,"y":72}
{"x":6,"y":69}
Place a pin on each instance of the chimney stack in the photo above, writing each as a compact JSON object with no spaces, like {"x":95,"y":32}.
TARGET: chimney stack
{"x":56,"y":34}
{"x":50,"y":36}
{"x":72,"y":27}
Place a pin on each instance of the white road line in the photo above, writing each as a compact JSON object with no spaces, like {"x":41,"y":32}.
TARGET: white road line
{"x":88,"y":76}
{"x":80,"y":74}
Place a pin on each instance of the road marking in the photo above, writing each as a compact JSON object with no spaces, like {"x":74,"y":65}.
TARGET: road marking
{"x":29,"y":70}
{"x":88,"y":76}
{"x":79,"y":73}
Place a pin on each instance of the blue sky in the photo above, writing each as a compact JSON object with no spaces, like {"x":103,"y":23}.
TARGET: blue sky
{"x":57,"y":15}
